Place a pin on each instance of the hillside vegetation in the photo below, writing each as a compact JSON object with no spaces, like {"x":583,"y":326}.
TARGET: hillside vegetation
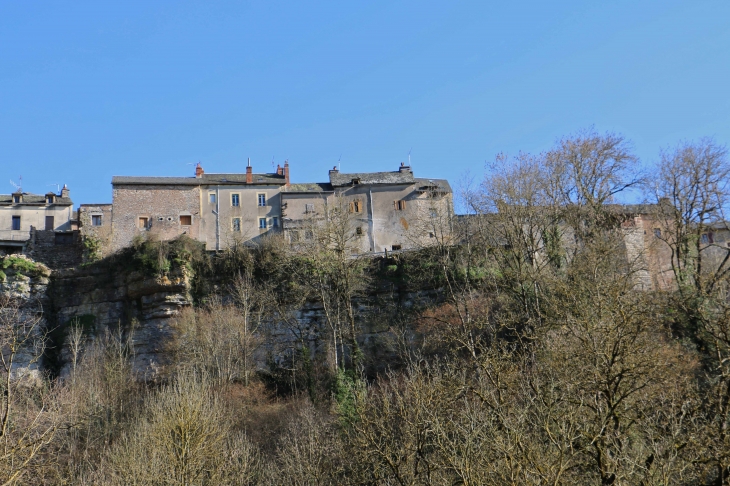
{"x":535,"y":358}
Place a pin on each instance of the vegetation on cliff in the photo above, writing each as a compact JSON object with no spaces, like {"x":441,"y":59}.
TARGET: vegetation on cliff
{"x":536,"y":356}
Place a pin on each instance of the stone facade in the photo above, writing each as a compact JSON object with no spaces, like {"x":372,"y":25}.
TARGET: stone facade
{"x":388,"y":211}
{"x":21,"y":211}
{"x":161,"y":210}
{"x":216,"y":209}
{"x":95,"y":225}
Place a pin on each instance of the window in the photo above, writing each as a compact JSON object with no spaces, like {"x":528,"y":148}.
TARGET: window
{"x":294,"y":236}
{"x":49,"y":223}
{"x":356,"y":206}
{"x":236,"y":224}
{"x":399,"y":205}
{"x":358,"y":230}
{"x":211,"y":197}
{"x":186,"y":220}
{"x":49,"y":199}
{"x":275,"y":222}
{"x":16,"y":223}
{"x":143,"y":223}
{"x":64,"y":239}
{"x":261,"y":199}
{"x":657,"y":232}
{"x":17,"y":199}
{"x":235,"y":200}
{"x":707,"y":238}
{"x":96,"y":220}
{"x":309,"y":208}
{"x":356,"y":181}
{"x":262,"y":223}
{"x":396,"y":247}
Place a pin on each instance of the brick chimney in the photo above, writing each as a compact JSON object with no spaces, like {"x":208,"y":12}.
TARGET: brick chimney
{"x":249,"y":172}
{"x":199,"y":171}
{"x":404,"y":168}
{"x":286,"y":172}
{"x":279,"y":170}
{"x":64,"y":191}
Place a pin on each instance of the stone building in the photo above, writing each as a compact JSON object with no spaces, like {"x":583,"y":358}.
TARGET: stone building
{"x":95,"y":226}
{"x":21,"y":211}
{"x":216,"y":209}
{"x":387,"y":211}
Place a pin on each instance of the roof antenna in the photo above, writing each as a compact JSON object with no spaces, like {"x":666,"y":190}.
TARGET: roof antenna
{"x":58,"y":186}
{"x":339,"y":163}
{"x":19,"y":187}
{"x":272,"y":161}
{"x":249,"y":162}
{"x":409,"y":156}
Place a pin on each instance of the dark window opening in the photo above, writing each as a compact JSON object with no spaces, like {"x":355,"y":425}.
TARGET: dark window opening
{"x":49,"y":223}
{"x":396,"y":247}
{"x":358,"y":230}
{"x":16,"y":199}
{"x":49,"y":199}
{"x":16,"y":223}
{"x":96,"y":220}
{"x":64,"y":238}
{"x":399,"y":205}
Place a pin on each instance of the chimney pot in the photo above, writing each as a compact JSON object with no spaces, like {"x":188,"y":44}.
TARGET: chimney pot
{"x":199,"y":171}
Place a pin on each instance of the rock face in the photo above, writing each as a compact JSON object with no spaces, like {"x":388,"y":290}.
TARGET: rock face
{"x":121,"y":299}
{"x":23,"y":296}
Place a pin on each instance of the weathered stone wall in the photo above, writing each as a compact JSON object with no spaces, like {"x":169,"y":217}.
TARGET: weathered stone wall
{"x":55,"y":251}
{"x":101,"y":233}
{"x":162,"y":205}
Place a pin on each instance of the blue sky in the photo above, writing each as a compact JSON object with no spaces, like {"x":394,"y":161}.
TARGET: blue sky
{"x":94,"y":89}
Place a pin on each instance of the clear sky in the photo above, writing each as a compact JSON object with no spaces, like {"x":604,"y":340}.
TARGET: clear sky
{"x":91,"y":89}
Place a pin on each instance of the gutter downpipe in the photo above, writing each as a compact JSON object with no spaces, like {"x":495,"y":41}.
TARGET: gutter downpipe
{"x":371,"y":224}
{"x":217,"y":218}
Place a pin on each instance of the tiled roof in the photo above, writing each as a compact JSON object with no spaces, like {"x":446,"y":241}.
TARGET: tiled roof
{"x":7,"y":199}
{"x":397,"y":177}
{"x":310,"y":187}
{"x":441,"y":185}
{"x":206,"y":179}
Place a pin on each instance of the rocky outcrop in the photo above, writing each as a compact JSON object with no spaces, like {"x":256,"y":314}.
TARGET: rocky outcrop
{"x":108,"y":300}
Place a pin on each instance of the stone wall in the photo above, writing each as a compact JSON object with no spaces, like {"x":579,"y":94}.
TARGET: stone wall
{"x":56,"y":250}
{"x":101,"y":233}
{"x":161,"y":205}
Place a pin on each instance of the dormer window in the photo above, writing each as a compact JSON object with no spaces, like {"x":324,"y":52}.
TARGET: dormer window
{"x":49,"y":199}
{"x":356,"y":181}
{"x":17,"y":198}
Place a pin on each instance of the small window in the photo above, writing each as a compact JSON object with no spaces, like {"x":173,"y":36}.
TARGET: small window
{"x":186,"y":220}
{"x":235,"y":200}
{"x":399,"y":205}
{"x":308,"y":235}
{"x":657,"y":232}
{"x":16,"y":223}
{"x":262,"y":199}
{"x":704,"y":239}
{"x":294,"y":236}
{"x":356,"y":181}
{"x":143,"y":223}
{"x":355,"y":206}
{"x":431,"y":235}
{"x":49,"y":199}
{"x":236,"y":224}
{"x":17,"y":199}
{"x":309,"y":208}
{"x":96,"y":220}
{"x":49,"y":223}
{"x":262,"y":223}
{"x":358,"y":230}
{"x":275,"y":222}
{"x":396,"y":247}
{"x":64,"y":239}
{"x":211,"y":197}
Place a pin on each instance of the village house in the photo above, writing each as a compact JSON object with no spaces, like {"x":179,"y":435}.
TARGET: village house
{"x":22,"y":213}
{"x":388,"y":209}
{"x":216,"y":209}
